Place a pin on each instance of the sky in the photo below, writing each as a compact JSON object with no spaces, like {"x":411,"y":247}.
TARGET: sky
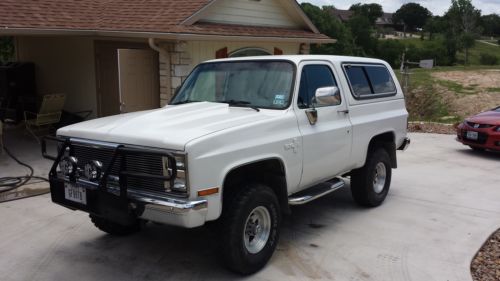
{"x":437,"y":7}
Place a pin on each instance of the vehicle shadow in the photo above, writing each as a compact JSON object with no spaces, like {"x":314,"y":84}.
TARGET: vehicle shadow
{"x":487,"y":154}
{"x":163,"y":252}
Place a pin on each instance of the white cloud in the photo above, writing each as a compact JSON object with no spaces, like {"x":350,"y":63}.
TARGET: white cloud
{"x":437,"y":7}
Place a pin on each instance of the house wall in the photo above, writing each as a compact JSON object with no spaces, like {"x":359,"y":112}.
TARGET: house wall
{"x":63,"y":65}
{"x":245,"y":12}
{"x":180,"y":58}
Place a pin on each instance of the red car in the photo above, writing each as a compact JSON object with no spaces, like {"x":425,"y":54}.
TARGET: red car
{"x":481,"y":131}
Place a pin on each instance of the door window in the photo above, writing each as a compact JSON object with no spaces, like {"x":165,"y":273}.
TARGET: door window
{"x":314,"y":77}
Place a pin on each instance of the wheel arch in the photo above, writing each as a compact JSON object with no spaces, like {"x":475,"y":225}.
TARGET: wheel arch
{"x":387,"y":141}
{"x":270,"y":171}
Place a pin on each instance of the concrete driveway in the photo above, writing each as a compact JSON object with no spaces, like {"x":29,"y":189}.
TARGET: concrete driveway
{"x":443,"y":204}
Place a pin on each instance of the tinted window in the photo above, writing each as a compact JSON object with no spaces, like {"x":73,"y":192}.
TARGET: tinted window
{"x":366,"y":80}
{"x":312,"y":78}
{"x":357,"y":78}
{"x":381,"y":80}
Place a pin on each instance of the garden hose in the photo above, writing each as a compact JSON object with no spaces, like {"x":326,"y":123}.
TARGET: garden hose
{"x":11,"y":183}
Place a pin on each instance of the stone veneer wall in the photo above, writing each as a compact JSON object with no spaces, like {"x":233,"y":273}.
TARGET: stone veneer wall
{"x":174,"y":68}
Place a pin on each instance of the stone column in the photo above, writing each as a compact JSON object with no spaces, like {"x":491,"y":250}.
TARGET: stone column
{"x":180,"y":61}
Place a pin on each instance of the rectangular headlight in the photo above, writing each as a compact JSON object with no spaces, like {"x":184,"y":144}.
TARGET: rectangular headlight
{"x":180,"y":182}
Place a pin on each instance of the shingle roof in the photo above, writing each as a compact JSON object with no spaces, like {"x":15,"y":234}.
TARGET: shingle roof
{"x":155,"y":16}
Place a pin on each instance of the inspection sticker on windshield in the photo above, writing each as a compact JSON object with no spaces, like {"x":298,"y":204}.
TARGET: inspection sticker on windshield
{"x":279,"y":100}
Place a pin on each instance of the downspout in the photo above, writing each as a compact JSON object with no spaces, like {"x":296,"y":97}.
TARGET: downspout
{"x":167,"y":83}
{"x":155,"y":47}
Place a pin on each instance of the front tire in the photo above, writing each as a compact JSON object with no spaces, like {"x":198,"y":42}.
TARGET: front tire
{"x":250,"y":228}
{"x":370,"y":183}
{"x":114,"y":228}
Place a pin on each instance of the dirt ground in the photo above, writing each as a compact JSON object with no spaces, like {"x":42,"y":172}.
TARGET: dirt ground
{"x":481,"y":91}
{"x":431,"y":127}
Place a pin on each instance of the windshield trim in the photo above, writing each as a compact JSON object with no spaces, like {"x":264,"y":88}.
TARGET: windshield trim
{"x":290,"y":95}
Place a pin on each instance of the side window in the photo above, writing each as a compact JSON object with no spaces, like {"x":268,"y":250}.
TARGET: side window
{"x":357,"y":78}
{"x":312,"y":78}
{"x":381,"y":79}
{"x":367,"y":80}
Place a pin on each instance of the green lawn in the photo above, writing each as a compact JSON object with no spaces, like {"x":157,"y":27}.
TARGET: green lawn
{"x":476,"y":51}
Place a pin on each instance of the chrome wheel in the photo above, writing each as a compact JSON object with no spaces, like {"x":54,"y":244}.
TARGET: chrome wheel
{"x":257,"y":230}
{"x":379,"y":177}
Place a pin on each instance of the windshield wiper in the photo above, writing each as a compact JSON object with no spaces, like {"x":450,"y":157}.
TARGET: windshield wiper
{"x":240,"y":103}
{"x":183,"y":102}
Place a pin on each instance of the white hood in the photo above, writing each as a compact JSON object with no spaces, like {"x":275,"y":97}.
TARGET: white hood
{"x":171,"y":127}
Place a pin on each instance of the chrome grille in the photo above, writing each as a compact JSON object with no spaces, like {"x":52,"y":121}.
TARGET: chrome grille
{"x":143,"y":163}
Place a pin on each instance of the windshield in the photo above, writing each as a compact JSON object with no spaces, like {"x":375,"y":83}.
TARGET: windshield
{"x":265,"y":84}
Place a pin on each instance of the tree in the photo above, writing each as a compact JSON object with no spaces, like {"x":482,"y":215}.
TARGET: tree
{"x":371,"y":11}
{"x":362,"y":35}
{"x":463,"y":18}
{"x":434,"y":25}
{"x":330,"y":26}
{"x":490,"y":25}
{"x":412,"y":16}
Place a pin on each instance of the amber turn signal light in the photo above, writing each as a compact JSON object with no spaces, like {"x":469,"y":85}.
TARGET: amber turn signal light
{"x":209,"y":191}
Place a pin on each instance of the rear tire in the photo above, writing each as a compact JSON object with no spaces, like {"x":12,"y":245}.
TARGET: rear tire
{"x":250,"y":228}
{"x":114,"y":228}
{"x":370,"y":183}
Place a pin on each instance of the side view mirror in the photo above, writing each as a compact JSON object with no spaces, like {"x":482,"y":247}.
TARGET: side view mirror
{"x":322,"y":97}
{"x":326,"y":96}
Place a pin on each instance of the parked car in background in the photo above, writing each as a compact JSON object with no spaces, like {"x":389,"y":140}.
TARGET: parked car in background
{"x":481,"y":131}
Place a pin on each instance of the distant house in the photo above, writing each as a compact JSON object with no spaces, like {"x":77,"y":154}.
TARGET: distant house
{"x":385,"y":21}
{"x":120,"y":56}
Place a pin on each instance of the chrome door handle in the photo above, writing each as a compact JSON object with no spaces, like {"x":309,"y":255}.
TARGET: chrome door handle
{"x":346,"y":111}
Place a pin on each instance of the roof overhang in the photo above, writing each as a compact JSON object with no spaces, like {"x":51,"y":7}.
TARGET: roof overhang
{"x":158,"y":35}
{"x":291,"y":6}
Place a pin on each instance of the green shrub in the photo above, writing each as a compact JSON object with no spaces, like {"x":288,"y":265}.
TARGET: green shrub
{"x":488,"y":59}
{"x":390,"y":51}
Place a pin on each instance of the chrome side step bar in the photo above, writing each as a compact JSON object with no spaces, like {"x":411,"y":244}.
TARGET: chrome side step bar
{"x":315,"y":192}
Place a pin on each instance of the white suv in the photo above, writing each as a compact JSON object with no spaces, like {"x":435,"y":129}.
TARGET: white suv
{"x":241,"y":141}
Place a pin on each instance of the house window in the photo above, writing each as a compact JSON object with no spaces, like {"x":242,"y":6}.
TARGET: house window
{"x":246,"y":52}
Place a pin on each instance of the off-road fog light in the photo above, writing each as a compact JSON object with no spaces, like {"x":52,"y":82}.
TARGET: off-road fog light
{"x":68,"y":165}
{"x":93,"y":170}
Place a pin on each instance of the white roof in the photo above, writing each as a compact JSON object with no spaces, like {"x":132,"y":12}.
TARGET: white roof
{"x":299,"y":58}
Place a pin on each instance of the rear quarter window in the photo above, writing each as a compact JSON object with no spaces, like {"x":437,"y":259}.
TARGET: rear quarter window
{"x":369,"y":80}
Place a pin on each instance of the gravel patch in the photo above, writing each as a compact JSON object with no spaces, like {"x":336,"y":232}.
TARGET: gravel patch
{"x":486,"y":264}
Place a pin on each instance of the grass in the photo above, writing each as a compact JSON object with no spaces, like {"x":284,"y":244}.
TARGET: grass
{"x":476,"y":51}
{"x":424,"y":100}
{"x":493,"y":90}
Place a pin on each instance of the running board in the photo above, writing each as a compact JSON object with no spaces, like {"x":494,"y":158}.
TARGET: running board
{"x":315,"y":192}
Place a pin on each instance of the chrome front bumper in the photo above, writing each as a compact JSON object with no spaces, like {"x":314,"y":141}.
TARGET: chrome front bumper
{"x":169,"y":210}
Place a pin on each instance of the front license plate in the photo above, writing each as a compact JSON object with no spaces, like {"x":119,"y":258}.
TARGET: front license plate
{"x":471,"y":135}
{"x":75,"y":193}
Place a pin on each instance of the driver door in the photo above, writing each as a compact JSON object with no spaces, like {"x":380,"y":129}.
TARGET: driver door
{"x":326,"y":143}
